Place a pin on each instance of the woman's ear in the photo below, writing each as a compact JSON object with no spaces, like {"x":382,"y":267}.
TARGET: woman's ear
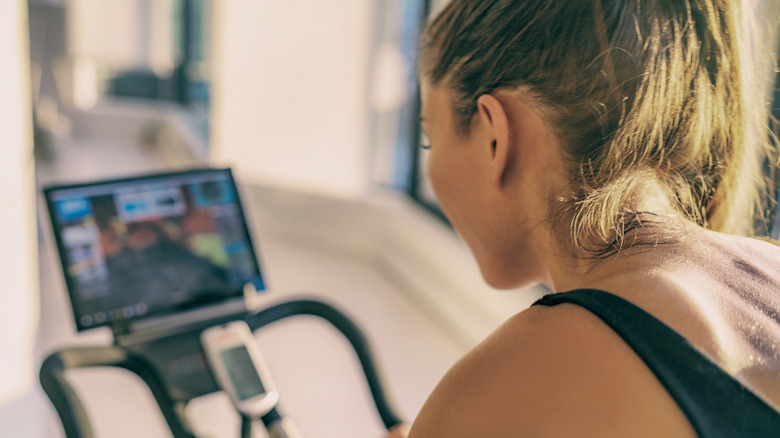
{"x":495,"y":121}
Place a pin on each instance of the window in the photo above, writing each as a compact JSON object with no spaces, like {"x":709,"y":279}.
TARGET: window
{"x":774,"y":171}
{"x":145,"y":49}
{"x":409,"y":159}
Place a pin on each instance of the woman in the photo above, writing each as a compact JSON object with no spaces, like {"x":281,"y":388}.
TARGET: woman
{"x":607,"y":147}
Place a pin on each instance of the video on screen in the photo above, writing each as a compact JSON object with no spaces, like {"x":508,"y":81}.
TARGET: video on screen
{"x":138,"y":249}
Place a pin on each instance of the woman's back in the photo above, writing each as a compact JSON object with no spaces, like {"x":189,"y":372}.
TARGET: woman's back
{"x":562,"y":371}
{"x":720,"y":292}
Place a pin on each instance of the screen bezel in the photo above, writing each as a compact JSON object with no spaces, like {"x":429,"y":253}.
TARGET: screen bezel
{"x":49,"y":191}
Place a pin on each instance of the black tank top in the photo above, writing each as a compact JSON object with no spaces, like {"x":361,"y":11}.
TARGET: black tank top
{"x":715,"y":403}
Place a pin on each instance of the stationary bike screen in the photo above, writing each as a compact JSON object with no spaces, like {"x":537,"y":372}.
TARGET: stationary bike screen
{"x":152,"y":245}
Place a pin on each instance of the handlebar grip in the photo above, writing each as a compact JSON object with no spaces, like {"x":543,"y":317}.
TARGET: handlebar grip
{"x":386,"y":410}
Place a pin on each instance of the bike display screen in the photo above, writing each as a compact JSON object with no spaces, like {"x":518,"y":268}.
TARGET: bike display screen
{"x":151,"y":245}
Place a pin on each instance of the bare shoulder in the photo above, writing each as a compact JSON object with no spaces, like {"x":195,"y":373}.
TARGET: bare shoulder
{"x":548,"y":372}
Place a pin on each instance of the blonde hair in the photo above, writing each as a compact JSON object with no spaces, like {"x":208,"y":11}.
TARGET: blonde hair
{"x":631,"y":88}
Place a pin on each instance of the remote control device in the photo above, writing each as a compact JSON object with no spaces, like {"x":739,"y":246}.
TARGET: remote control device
{"x":239,"y":368}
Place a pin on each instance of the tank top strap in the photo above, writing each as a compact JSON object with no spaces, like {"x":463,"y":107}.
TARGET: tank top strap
{"x":716,"y":404}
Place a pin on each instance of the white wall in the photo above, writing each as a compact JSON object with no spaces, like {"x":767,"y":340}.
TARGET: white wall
{"x":290,"y":103}
{"x":18,"y":247}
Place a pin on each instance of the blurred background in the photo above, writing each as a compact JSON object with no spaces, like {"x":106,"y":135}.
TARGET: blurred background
{"x":314,"y":104}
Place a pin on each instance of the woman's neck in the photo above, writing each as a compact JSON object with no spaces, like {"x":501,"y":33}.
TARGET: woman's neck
{"x":647,"y":240}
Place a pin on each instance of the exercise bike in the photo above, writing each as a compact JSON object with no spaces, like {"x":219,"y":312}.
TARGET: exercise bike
{"x":127,"y":252}
{"x":172,"y":391}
